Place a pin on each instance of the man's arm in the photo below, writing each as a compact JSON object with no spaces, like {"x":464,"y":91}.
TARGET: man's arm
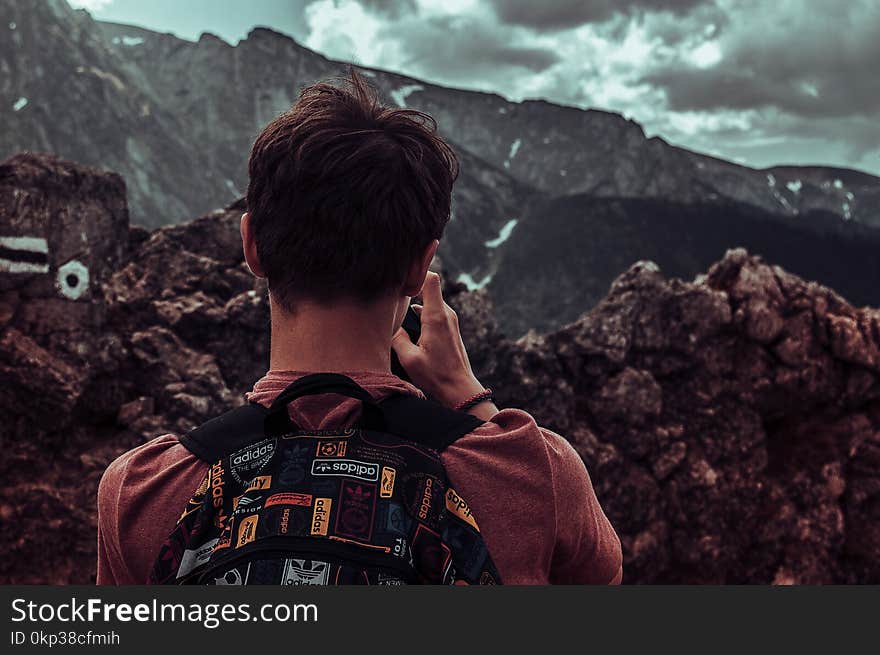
{"x":108,"y":534}
{"x":587,"y":548}
{"x":105,"y":574}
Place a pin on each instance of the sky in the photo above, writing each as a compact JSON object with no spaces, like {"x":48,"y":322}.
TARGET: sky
{"x":754,"y":81}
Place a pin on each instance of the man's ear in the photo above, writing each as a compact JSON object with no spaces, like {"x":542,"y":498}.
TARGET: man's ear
{"x":249,"y":244}
{"x":418,"y":270}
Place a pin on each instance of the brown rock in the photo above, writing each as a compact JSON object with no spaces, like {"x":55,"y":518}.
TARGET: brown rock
{"x":731,"y":426}
{"x":135,"y":409}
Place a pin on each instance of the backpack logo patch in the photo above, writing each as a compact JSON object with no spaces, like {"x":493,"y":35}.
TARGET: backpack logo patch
{"x":247,"y":504}
{"x":259,"y":483}
{"x":357,"y":507}
{"x":299,"y":572}
{"x":251,"y":459}
{"x":387,"y":488}
{"x":302,"y":500}
{"x":321,"y":516}
{"x":349,"y":468}
{"x":457,"y":505}
{"x":232,"y":577}
{"x":247,"y":531}
{"x":331,"y":449}
{"x":194,"y":557}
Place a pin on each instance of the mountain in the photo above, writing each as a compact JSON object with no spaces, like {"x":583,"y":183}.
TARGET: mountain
{"x":566,"y":252}
{"x":233,"y":91}
{"x":731,"y":425}
{"x":176,"y":119}
{"x":64,"y":90}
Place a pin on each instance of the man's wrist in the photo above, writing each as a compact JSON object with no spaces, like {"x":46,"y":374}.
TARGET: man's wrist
{"x":461,"y":392}
{"x":458,"y":392}
{"x":483,"y":396}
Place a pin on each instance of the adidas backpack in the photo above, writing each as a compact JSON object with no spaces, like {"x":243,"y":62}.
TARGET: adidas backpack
{"x":367,"y":505}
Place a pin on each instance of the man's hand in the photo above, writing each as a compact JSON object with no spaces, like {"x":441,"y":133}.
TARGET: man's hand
{"x":438,"y":364}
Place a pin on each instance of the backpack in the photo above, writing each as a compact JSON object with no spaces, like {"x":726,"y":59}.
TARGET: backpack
{"x":370,"y":504}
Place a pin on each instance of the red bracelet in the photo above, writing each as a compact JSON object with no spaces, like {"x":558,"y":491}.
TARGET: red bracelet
{"x":476,"y":399}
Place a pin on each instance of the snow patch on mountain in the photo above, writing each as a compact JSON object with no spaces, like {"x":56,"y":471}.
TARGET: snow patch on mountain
{"x":400,"y":95}
{"x":795,"y":186}
{"x":514,"y":148}
{"x":127,"y":41}
{"x":233,"y":189}
{"x":782,"y":200}
{"x":472,"y":285}
{"x":503,"y":234}
{"x":19,"y":104}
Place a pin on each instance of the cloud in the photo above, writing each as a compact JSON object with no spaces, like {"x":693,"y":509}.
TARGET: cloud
{"x":391,"y":8}
{"x":745,"y":79}
{"x":815,"y":63}
{"x":343,"y":30}
{"x":458,"y":48}
{"x":565,"y":14}
{"x":465,"y":48}
{"x":91,"y":5}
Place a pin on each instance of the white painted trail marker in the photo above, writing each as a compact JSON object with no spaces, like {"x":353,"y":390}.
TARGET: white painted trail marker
{"x":73,"y":279}
{"x":24,"y":255}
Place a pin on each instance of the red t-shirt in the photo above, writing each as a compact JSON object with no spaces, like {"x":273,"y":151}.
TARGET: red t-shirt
{"x":527,"y":487}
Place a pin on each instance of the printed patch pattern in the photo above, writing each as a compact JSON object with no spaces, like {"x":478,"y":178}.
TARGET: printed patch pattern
{"x":326,"y":508}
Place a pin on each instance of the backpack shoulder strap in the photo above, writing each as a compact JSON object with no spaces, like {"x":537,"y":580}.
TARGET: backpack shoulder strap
{"x":226,"y":433}
{"x":426,"y":421}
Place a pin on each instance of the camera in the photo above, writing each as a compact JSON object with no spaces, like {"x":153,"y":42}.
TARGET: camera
{"x":413,"y":327}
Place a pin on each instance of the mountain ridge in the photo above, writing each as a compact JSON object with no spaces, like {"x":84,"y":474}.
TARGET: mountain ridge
{"x":321,"y":65}
{"x":177,"y":118}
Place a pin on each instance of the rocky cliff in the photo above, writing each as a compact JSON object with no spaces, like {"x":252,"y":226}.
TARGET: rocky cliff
{"x":731,"y":424}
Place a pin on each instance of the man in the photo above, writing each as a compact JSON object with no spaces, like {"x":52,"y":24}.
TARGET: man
{"x":347,"y":202}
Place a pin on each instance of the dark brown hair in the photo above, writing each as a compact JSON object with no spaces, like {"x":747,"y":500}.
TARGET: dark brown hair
{"x":345,"y":192}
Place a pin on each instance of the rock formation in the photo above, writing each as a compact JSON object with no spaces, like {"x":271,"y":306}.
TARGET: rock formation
{"x":731,"y":425}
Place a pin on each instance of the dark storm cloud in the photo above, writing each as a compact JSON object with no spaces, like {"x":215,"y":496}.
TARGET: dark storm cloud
{"x":706,"y":20}
{"x":813,"y":64}
{"x":563,"y":14}
{"x":731,"y":87}
{"x":463,"y":48}
{"x":391,"y":8}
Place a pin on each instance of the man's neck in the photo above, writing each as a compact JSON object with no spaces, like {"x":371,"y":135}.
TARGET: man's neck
{"x":342,"y":337}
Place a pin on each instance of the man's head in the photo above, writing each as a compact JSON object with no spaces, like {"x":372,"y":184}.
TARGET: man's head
{"x":347,"y":198}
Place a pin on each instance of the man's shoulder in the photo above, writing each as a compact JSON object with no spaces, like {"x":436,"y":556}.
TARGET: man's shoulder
{"x":140,"y":497}
{"x":144,"y":463}
{"x":516,"y":430}
{"x":512,"y":443}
